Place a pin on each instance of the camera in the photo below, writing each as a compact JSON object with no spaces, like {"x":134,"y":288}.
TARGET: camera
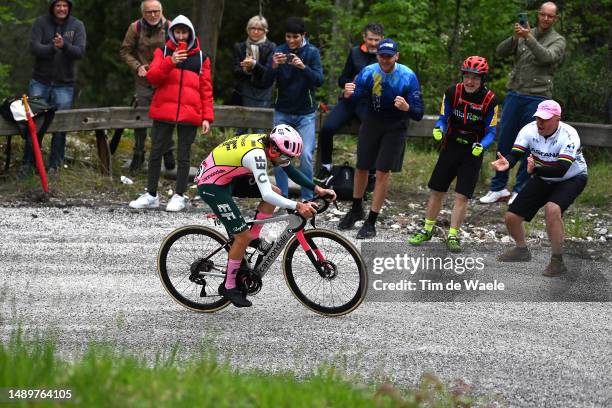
{"x":522,"y":19}
{"x":289,"y":57}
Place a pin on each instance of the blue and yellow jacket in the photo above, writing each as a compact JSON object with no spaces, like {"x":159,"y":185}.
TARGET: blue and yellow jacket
{"x":381,"y":89}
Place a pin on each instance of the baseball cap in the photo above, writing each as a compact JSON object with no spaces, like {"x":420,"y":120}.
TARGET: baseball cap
{"x":387,"y":47}
{"x":548,"y":109}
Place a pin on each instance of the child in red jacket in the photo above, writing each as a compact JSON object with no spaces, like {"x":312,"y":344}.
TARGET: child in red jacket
{"x":180,"y":74}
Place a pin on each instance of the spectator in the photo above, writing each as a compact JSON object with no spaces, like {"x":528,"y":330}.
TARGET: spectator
{"x":296,"y":67}
{"x":394,"y":96}
{"x":250,"y":59}
{"x":141,"y":40}
{"x":180,"y":73}
{"x":559,"y":174}
{"x":466,"y":127}
{"x":537,"y":55}
{"x":344,"y":112}
{"x":57,"y":41}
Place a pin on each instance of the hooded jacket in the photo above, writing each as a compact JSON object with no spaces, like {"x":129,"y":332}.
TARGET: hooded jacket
{"x":183,"y":92}
{"x":54,"y":66}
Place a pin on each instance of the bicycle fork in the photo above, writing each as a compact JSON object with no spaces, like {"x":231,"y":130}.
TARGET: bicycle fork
{"x":313,"y":253}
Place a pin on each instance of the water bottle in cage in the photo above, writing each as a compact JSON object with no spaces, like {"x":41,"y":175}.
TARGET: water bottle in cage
{"x":266,"y":242}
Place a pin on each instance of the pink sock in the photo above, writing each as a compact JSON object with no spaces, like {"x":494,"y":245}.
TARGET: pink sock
{"x":232,"y":268}
{"x":256,"y":228}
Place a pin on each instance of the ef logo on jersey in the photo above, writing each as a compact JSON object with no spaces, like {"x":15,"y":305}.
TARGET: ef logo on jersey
{"x":226,"y":211}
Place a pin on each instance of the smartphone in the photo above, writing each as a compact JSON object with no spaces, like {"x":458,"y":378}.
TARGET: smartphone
{"x":182,"y":46}
{"x":522,"y":19}
{"x":290,"y":57}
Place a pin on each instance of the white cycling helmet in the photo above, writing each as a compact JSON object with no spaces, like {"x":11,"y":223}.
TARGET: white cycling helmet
{"x":287,"y":140}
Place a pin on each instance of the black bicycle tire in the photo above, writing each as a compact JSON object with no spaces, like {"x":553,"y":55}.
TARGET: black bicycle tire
{"x":163,"y":271}
{"x":360,"y":293}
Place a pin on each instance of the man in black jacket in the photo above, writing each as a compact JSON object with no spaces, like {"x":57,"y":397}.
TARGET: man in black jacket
{"x":344,"y":111}
{"x":57,"y":41}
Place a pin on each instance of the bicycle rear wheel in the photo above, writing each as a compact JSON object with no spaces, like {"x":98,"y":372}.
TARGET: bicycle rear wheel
{"x":186,"y":258}
{"x":340,"y":286}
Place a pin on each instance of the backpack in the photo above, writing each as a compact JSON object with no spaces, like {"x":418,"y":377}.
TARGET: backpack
{"x":341,"y":181}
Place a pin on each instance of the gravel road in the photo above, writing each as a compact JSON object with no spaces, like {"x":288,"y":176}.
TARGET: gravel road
{"x":90,"y":273}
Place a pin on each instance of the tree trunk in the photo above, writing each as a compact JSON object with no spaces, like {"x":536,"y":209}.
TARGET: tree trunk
{"x":338,"y":32}
{"x":208,"y":15}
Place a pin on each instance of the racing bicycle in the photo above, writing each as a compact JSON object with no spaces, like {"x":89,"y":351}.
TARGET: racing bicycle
{"x":322,"y":269}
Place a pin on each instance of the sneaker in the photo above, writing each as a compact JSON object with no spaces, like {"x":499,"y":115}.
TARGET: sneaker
{"x":512,"y":197}
{"x":176,"y":203}
{"x":169,"y":163}
{"x":367,"y":230}
{"x":555,"y":267}
{"x":516,"y":254}
{"x":235,"y":295}
{"x":145,"y":201}
{"x":495,"y":196}
{"x":453,"y":244}
{"x":323,"y":176}
{"x":420,"y":237}
{"x":350,"y":218}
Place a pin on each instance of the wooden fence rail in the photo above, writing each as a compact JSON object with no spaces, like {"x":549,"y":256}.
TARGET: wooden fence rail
{"x":101,"y":119}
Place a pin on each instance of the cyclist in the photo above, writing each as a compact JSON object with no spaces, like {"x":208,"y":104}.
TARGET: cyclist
{"x":466,"y":127}
{"x":234,"y":168}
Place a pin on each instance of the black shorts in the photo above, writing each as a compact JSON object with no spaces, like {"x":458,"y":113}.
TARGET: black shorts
{"x":538,"y":192}
{"x":456,"y":160}
{"x":381,"y":144}
{"x":220,"y":200}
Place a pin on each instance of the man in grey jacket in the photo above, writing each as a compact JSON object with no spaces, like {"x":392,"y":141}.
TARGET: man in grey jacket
{"x":57,"y":41}
{"x":537,"y":53}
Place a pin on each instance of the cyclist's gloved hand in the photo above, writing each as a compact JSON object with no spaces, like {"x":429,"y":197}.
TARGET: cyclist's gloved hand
{"x":477,"y":149}
{"x":437,"y":134}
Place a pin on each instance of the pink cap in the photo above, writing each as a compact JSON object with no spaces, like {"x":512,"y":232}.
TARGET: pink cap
{"x":548,"y":109}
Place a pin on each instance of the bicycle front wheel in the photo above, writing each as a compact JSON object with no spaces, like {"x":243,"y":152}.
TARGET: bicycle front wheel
{"x":339,"y":285}
{"x":191,"y":264}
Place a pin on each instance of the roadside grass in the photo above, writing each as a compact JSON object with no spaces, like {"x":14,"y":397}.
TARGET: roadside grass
{"x":105,"y":377}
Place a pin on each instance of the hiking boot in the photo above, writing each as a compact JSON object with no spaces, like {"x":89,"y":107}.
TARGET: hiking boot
{"x":367,"y":230}
{"x":495,"y":196}
{"x":516,"y":254}
{"x":169,"y":162}
{"x":420,"y":237}
{"x":555,"y":267}
{"x":453,"y":244}
{"x":145,"y":201}
{"x":177,"y":203}
{"x":350,"y":218}
{"x":235,"y":295}
{"x":137,"y":162}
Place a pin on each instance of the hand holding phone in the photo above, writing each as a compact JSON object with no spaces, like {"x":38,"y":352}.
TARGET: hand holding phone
{"x":522,"y":19}
{"x":182,"y":46}
{"x":289,"y":57}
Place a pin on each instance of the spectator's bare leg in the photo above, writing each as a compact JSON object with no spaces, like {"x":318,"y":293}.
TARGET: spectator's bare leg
{"x":359,"y":183}
{"x":514,"y":223}
{"x":435,"y":204}
{"x":459,"y":210}
{"x":554,"y":227}
{"x":380,"y":188}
